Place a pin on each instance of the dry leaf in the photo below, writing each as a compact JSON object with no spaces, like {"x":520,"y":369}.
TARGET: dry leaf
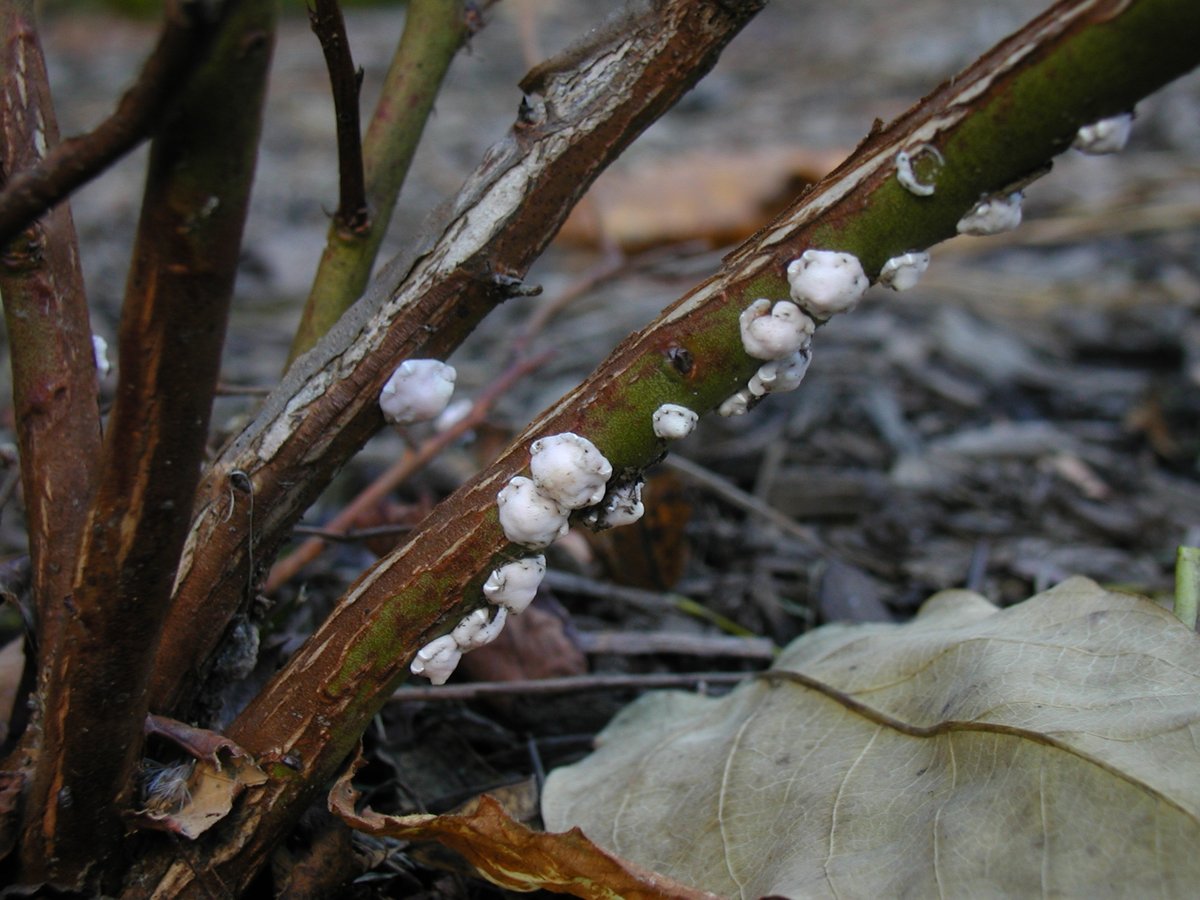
{"x":717,"y":197}
{"x":11,"y":786}
{"x":205,"y":793}
{"x":513,"y":856}
{"x":1046,"y":749}
{"x":534,"y":644}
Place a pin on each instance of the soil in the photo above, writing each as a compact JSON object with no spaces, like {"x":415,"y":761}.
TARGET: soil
{"x":1029,"y":411}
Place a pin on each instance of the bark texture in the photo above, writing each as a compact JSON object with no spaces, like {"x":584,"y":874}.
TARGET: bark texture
{"x":45,"y":310}
{"x":581,"y":116}
{"x":172,"y":329}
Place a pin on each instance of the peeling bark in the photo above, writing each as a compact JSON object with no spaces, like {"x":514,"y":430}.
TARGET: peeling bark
{"x":172,"y":328}
{"x":593,"y":104}
{"x":45,"y":309}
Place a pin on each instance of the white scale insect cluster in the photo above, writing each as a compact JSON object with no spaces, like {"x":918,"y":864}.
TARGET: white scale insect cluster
{"x":821,"y":283}
{"x":437,"y":660}
{"x":100,"y":352}
{"x":528,"y":516}
{"x":569,"y":469}
{"x":901,"y":273}
{"x":908,"y":178}
{"x":672,"y":422}
{"x":1106,"y":136}
{"x":514,"y":585}
{"x":825,"y":282}
{"x":569,"y":473}
{"x":736,"y":405}
{"x":624,"y":507}
{"x":478,"y":630}
{"x":993,"y":215}
{"x":418,"y":391}
{"x":780,"y":375}
{"x":771,"y":330}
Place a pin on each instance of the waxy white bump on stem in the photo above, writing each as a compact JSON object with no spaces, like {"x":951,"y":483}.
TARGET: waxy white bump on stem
{"x":908,"y":178}
{"x":437,"y":659}
{"x":514,"y":585}
{"x":624,"y":506}
{"x":780,"y":375}
{"x":902,"y":272}
{"x":737,"y":405}
{"x":569,"y":469}
{"x":993,"y":215}
{"x":1106,"y":136}
{"x":528,"y":516}
{"x":672,"y":421}
{"x":418,"y":391}
{"x":825,"y":282}
{"x":478,"y":630}
{"x":100,"y":352}
{"x":770,"y":331}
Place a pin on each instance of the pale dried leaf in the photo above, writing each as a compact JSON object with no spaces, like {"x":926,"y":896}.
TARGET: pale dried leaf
{"x":1049,"y":748}
{"x":222,"y":771}
{"x":702,"y":195}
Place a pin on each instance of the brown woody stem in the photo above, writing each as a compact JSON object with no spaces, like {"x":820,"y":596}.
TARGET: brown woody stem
{"x":330,"y":28}
{"x":45,"y":309}
{"x":172,"y":329}
{"x":425,"y":303}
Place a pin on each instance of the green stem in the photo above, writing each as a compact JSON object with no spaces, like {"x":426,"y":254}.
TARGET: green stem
{"x":1187,"y":585}
{"x":433,"y":32}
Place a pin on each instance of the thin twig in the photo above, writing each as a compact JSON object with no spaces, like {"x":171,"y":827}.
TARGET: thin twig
{"x":651,"y":601}
{"x":648,"y":643}
{"x":344,"y":80}
{"x":186,"y":35}
{"x":354,"y":534}
{"x":609,"y":266}
{"x":225,"y":389}
{"x":568,"y":685}
{"x":731,"y":493}
{"x":433,"y":32}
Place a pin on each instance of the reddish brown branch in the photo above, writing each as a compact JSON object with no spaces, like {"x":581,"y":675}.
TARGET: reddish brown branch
{"x":344,"y":80}
{"x":427,"y":301}
{"x":45,"y":308}
{"x":185,"y":38}
{"x":172,"y":329}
